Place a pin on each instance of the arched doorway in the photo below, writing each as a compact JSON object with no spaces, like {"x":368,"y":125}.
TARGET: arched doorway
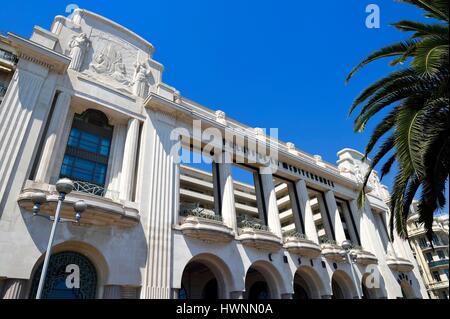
{"x":199,"y":282}
{"x":367,"y":293}
{"x":261,"y":282}
{"x":306,"y":284}
{"x":342,"y":286}
{"x":61,"y":281}
{"x":256,"y":286}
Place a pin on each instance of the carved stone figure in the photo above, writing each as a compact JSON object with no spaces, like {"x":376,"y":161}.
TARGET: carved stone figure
{"x":221,"y":117}
{"x":78,"y":46}
{"x":141,"y":79}
{"x":119,"y":71}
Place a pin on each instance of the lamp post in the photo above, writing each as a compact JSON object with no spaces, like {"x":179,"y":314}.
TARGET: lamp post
{"x":64,"y":186}
{"x":351,"y":257}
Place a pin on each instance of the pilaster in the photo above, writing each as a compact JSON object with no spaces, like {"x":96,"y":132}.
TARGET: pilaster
{"x":129,"y":160}
{"x":270,"y":199}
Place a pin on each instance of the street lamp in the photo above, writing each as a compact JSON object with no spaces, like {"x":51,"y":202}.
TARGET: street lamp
{"x":351,"y":257}
{"x":64,"y":186}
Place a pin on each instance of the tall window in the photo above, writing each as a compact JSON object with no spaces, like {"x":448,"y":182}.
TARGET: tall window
{"x":86,"y":157}
{"x":348,"y":223}
{"x":320,"y":216}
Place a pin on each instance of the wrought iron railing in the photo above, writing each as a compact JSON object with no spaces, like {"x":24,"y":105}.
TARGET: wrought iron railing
{"x":253,"y":223}
{"x":89,"y":188}
{"x":325,"y":240}
{"x":8,"y":56}
{"x":194,"y":209}
{"x":295,"y":234}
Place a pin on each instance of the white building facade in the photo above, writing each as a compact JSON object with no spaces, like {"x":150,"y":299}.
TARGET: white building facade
{"x":86,"y":101}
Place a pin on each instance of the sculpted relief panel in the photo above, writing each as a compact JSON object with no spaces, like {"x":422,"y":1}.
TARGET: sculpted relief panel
{"x":111,"y":61}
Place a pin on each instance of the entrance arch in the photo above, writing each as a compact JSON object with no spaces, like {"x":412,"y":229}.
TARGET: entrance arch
{"x":307,"y":284}
{"x":262,"y":282}
{"x":58,"y":284}
{"x":368,"y":293}
{"x":205,"y":277}
{"x":342,"y":286}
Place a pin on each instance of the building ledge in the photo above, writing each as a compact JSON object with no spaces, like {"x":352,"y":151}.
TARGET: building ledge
{"x":364,"y":257}
{"x":331,"y":251}
{"x":260,"y":239}
{"x":100,"y":211}
{"x":206,"y":229}
{"x":302,"y":246}
{"x":399,"y":264}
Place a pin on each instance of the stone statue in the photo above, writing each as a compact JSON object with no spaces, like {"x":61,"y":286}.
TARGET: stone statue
{"x":78,"y":46}
{"x":221,"y":117}
{"x":141,"y":79}
{"x":100,"y":64}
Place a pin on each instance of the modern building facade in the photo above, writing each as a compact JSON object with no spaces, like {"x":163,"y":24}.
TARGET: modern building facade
{"x":86,"y":101}
{"x":432,"y":257}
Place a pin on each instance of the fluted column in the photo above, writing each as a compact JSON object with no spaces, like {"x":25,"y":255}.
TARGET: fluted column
{"x":53,"y":137}
{"x":111,"y":292}
{"x":13,"y":289}
{"x":129,"y":160}
{"x":228,"y":211}
{"x":306,"y":211}
{"x":159,"y":201}
{"x":270,"y":199}
{"x":17,"y":113}
{"x":336,"y":221}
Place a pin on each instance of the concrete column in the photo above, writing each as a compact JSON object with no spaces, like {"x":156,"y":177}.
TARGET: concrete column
{"x":305,"y":209}
{"x":115,"y":161}
{"x":227,"y":195}
{"x":13,"y":288}
{"x":236,"y":295}
{"x":339,"y":233}
{"x":175,"y":293}
{"x":111,"y":292}
{"x":159,"y":177}
{"x":53,"y":137}
{"x":270,"y":199}
{"x":129,"y":160}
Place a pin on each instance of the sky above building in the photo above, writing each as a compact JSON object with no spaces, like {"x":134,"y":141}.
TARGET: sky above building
{"x":269,"y":64}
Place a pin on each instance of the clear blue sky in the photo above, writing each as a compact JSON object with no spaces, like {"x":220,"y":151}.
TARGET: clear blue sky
{"x":266,"y":63}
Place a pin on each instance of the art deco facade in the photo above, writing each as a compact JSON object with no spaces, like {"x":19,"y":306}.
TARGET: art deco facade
{"x":432,"y":257}
{"x":86,"y":100}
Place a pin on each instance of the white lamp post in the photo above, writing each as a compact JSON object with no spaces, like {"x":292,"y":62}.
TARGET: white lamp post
{"x":64,"y":186}
{"x":351,"y":257}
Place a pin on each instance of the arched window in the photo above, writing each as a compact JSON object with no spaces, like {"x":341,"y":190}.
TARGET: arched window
{"x":259,"y":291}
{"x":57,"y":279}
{"x":87,"y":152}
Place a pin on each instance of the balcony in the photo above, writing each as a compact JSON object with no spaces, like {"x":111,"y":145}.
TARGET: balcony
{"x":101,"y":211}
{"x":364,"y":257}
{"x":399,"y":264}
{"x":8,"y":59}
{"x":438,"y":263}
{"x":331,"y":250}
{"x":255,"y":234}
{"x":204,"y":225}
{"x":299,"y":244}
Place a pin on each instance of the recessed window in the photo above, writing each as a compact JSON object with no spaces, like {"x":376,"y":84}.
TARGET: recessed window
{"x":86,"y":158}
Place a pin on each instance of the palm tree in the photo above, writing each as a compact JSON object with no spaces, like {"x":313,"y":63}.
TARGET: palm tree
{"x":415,"y":132}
